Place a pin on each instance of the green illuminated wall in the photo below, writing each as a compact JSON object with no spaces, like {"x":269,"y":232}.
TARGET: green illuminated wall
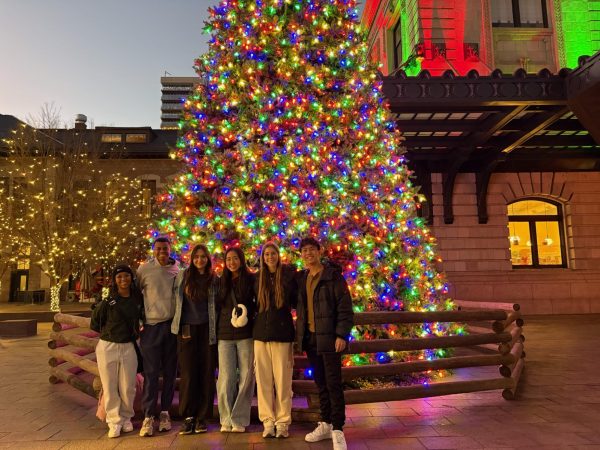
{"x":581,"y":28}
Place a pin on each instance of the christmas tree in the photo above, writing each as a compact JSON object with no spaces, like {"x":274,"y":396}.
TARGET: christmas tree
{"x":288,"y":135}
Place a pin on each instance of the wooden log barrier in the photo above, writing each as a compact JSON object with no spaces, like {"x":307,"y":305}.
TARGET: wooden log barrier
{"x":72,"y":345}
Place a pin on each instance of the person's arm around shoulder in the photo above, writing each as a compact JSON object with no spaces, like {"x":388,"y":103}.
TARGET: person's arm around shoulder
{"x":345,"y":313}
{"x":139,"y":275}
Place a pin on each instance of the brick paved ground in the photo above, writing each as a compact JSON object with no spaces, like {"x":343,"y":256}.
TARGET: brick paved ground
{"x":559,"y":405}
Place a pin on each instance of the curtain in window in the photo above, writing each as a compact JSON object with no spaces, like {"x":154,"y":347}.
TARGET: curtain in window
{"x":531,"y":13}
{"x":502,"y":12}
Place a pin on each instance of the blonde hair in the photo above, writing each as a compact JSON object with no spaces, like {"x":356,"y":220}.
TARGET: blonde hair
{"x":263,"y":280}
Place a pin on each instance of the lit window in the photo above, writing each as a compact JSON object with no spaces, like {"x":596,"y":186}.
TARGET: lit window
{"x":111,"y":138}
{"x":520,"y":13}
{"x":23,"y":261}
{"x":535,"y":234}
{"x":136,"y":138}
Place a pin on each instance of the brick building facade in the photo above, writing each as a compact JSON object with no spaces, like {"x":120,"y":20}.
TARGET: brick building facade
{"x":498,"y":101}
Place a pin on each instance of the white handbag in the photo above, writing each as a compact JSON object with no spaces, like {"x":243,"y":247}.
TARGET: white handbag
{"x":238,"y":321}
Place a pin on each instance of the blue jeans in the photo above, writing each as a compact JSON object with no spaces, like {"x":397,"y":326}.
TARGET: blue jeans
{"x":235,"y":385}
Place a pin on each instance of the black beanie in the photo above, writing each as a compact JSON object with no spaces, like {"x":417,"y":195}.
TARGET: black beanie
{"x":120,"y":269}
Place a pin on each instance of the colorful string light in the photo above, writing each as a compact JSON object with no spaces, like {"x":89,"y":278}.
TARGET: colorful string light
{"x":288,"y":135}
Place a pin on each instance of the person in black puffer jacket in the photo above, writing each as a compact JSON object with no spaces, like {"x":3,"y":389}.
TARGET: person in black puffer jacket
{"x":324,"y":321}
{"x":273,"y":341}
{"x":236,"y":351}
{"x":117,"y":319}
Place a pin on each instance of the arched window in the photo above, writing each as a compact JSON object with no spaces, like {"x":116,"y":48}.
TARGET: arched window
{"x":535,"y":234}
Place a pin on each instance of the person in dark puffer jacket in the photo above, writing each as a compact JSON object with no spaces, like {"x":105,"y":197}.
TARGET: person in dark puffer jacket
{"x":273,"y":342}
{"x":324,"y":321}
{"x":235,"y":345}
{"x":117,"y":319}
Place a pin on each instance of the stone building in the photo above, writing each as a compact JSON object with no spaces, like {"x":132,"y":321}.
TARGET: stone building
{"x":499,"y":103}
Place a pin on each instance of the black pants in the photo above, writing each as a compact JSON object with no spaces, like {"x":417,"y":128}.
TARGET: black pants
{"x":159,"y":351}
{"x":327,"y":372}
{"x":197,"y":374}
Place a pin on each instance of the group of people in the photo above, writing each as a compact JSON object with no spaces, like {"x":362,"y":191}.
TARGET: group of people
{"x":181,"y":316}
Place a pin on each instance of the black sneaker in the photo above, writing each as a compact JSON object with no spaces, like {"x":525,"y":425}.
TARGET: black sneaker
{"x":200,"y":427}
{"x":188,"y":426}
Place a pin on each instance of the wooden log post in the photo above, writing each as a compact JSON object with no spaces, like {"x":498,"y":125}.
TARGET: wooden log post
{"x":355,"y":396}
{"x":510,"y":393}
{"x":506,"y":370}
{"x":74,"y":339}
{"x":86,"y":364}
{"x":488,"y":305}
{"x":69,"y":319}
{"x":513,"y":316}
{"x":379,"y":370}
{"x":386,"y":317}
{"x":72,"y":379}
{"x":378,"y":345}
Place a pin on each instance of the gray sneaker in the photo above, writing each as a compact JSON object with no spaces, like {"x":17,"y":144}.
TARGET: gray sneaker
{"x":147,"y":429}
{"x":339,"y":441}
{"x":282,"y":431}
{"x":164,"y":421}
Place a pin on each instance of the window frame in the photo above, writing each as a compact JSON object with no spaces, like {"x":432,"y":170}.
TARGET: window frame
{"x":532,"y":219}
{"x":397,"y":44}
{"x":516,"y":14}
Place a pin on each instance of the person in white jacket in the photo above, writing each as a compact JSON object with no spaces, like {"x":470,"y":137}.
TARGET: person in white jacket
{"x":156,"y":279}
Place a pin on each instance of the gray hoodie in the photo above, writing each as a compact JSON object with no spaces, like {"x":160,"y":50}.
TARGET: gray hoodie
{"x":158,"y":286}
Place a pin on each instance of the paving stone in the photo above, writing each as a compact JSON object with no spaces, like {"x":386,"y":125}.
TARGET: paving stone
{"x":394,"y":443}
{"x":450,"y":442}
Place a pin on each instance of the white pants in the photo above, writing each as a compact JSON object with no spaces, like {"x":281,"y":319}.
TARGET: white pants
{"x":274,"y":362}
{"x":117,"y":364}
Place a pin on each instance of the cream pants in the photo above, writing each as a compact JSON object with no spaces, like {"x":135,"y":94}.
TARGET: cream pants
{"x":274,"y":362}
{"x":117,"y":364}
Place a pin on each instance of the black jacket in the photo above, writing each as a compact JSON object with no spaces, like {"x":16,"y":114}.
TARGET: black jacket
{"x":245,"y":295}
{"x":277,"y":325}
{"x":334,"y":316}
{"x":117,"y":319}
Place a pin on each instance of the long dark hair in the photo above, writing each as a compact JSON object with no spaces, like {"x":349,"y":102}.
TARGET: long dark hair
{"x":191,"y":277}
{"x":227,"y":278}
{"x":263,"y":280}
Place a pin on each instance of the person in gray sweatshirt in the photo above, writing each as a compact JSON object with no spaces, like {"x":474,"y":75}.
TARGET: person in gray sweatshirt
{"x":156,"y":278}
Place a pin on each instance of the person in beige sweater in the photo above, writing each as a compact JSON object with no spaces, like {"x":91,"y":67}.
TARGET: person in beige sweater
{"x":156,"y":279}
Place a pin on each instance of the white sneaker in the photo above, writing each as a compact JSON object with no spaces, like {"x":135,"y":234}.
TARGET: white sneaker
{"x":269,"y":431}
{"x":127,"y":427}
{"x":164,"y":421}
{"x":282,"y":431}
{"x":238,"y":429}
{"x":323,"y":431}
{"x":114,"y":431}
{"x":147,"y":429}
{"x":339,"y":441}
{"x":225,"y":429}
